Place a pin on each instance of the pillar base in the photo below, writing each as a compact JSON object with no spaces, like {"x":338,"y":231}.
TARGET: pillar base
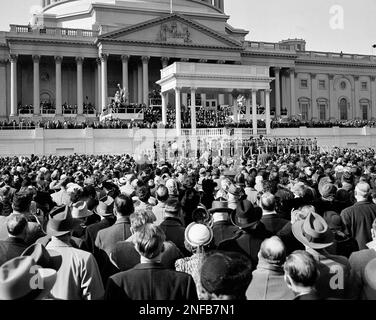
{"x":80,"y":118}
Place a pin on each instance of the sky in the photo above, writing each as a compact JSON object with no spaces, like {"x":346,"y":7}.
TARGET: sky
{"x":326,"y":25}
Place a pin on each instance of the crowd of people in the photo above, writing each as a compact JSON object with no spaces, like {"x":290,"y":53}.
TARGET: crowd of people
{"x":259,"y":227}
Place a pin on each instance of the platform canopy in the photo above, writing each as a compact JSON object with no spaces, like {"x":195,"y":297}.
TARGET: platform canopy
{"x":201,"y":77}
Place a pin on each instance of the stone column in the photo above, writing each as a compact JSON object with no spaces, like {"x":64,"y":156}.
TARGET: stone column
{"x":140,"y":92}
{"x":221,"y":99}
{"x":36,"y":92}
{"x":164,"y":108}
{"x":356,"y":107}
{"x":277,"y":92}
{"x":58,"y":102}
{"x":254,"y":111}
{"x":164,"y":61}
{"x":178,"y":111}
{"x":292,"y":92}
{"x":145,"y":77}
{"x":104,"y":87}
{"x":267,"y":110}
{"x":80,"y":92}
{"x":125,"y":84}
{"x":3,"y":87}
{"x":248,"y":109}
{"x":331,"y":105}
{"x":314,"y":107}
{"x":193,"y":111}
{"x":203,"y":100}
{"x":99,"y":75}
{"x":13,"y":85}
{"x":373,"y":96}
{"x":262,"y":98}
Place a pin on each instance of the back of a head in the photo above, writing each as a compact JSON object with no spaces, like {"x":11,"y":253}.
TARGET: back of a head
{"x":124,"y":205}
{"x":273,"y":251}
{"x":250,"y":181}
{"x":149,"y":240}
{"x":301,"y":267}
{"x":143,"y":193}
{"x":141,"y":217}
{"x":16,"y":224}
{"x":162,"y":193}
{"x":173,"y":207}
{"x":226,"y":274}
{"x":362,"y":190}
{"x":268,"y":202}
{"x":22,"y":202}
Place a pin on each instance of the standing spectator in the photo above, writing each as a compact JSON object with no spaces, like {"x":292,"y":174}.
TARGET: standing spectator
{"x":223,"y":229}
{"x":108,"y":237}
{"x":252,"y":234}
{"x":268,"y":279}
{"x":78,"y":277}
{"x":15,"y":244}
{"x":358,"y":218}
{"x":159,"y":210}
{"x":198,"y":239}
{"x":150,"y":280}
{"x":270,"y":218}
{"x":359,"y":260}
{"x":301,"y":274}
{"x":173,"y":227}
{"x":335,"y":279}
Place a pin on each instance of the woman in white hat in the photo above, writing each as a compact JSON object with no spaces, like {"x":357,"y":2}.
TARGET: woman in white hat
{"x":198,"y":240}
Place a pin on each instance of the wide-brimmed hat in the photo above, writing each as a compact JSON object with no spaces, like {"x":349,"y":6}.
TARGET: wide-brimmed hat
{"x":105,"y":206}
{"x":80,"y":210}
{"x":60,"y":221}
{"x":313,"y":232}
{"x":220,"y":206}
{"x":17,"y":279}
{"x":44,"y":258}
{"x":245,"y":215}
{"x":198,"y":234}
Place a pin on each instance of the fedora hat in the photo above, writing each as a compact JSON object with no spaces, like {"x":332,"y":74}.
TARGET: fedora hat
{"x":80,"y":210}
{"x":17,"y":277}
{"x":245,"y":215}
{"x":49,"y":259}
{"x":313,"y":232}
{"x":220,"y":206}
{"x":105,"y":206}
{"x":60,"y":221}
{"x":198,"y":234}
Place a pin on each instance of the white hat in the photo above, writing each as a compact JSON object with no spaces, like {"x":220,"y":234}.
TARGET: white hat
{"x":80,"y":210}
{"x":197,"y":234}
{"x":71,"y":187}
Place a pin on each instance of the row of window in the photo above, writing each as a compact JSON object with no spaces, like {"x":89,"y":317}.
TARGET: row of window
{"x":322,"y":84}
{"x":343,"y":110}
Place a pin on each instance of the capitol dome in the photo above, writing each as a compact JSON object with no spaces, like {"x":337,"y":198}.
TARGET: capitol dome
{"x":64,"y":7}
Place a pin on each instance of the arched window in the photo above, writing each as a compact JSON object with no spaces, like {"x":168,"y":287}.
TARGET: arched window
{"x":343,"y":109}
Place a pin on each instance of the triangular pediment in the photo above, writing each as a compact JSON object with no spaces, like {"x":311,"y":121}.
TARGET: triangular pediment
{"x":173,"y":29}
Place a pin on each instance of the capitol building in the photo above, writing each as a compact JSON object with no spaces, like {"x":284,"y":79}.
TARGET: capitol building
{"x":77,"y":52}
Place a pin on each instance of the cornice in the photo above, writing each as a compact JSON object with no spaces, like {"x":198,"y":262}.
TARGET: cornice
{"x":270,"y":54}
{"x":68,"y":42}
{"x":168,"y":44}
{"x":335,"y":63}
